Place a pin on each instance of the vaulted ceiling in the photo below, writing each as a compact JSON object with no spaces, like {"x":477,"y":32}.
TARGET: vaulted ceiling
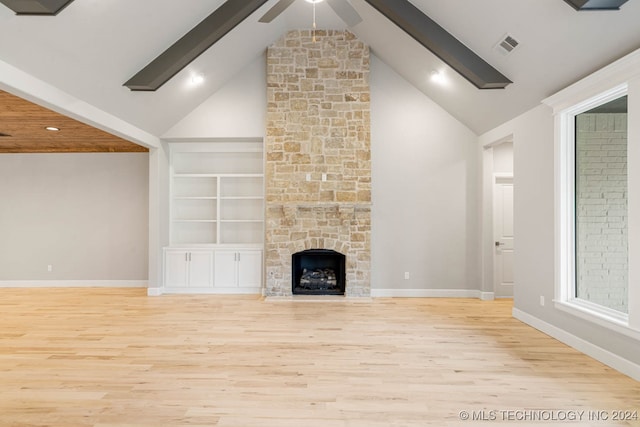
{"x":92,"y":47}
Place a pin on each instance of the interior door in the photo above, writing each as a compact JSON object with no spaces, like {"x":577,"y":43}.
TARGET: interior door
{"x":503,"y":237}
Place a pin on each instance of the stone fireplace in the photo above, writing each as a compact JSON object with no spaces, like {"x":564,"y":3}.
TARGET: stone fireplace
{"x":318,"y":159}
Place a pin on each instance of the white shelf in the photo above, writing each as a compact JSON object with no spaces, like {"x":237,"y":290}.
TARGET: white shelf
{"x":194,"y":220}
{"x":217,"y":193}
{"x":218,"y":175}
{"x":195,"y":198}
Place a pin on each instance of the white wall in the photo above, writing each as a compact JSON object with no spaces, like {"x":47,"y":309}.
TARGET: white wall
{"x":503,"y":158}
{"x":425,"y":192}
{"x":237,"y":110}
{"x":84,"y":214}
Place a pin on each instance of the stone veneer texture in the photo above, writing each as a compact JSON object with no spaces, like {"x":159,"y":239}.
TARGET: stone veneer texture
{"x":318,"y":126}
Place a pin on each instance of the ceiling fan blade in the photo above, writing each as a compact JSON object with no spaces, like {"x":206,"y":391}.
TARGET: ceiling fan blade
{"x":345,"y":11}
{"x":275,"y":11}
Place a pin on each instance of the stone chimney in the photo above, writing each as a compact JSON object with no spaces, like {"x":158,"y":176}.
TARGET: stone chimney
{"x":318,"y":156}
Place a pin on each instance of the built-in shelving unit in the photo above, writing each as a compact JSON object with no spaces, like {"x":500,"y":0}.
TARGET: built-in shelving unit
{"x":217,"y":208}
{"x":217,"y":195}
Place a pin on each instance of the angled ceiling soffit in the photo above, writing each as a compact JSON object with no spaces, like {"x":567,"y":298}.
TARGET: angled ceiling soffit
{"x":193,"y":44}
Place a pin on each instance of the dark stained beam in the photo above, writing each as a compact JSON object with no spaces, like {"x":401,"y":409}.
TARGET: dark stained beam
{"x":193,"y":44}
{"x":596,"y":4}
{"x":441,"y":43}
{"x":36,"y":7}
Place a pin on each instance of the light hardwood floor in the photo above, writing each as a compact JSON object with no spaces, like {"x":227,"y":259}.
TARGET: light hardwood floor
{"x":114,"y":357}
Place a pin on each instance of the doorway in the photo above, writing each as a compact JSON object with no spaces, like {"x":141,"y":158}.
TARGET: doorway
{"x":498,"y":219}
{"x":503,"y":235}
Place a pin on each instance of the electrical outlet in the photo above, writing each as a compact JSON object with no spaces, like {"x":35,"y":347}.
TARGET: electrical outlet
{"x":49,"y":268}
{"x":542,"y":300}
{"x":406,"y":275}
{"x":308,"y":177}
{"x":324,"y":176}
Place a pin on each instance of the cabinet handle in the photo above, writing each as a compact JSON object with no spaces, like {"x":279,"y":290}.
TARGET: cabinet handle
{"x":186,"y":256}
{"x":189,"y":256}
{"x":238,"y":256}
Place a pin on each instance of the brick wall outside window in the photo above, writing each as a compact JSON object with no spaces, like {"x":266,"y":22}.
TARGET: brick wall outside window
{"x":601,"y":209}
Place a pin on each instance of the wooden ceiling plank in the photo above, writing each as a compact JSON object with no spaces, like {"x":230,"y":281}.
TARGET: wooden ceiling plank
{"x":25,"y":122}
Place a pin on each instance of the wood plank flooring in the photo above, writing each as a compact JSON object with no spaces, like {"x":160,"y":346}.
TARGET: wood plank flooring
{"x":115,"y":357}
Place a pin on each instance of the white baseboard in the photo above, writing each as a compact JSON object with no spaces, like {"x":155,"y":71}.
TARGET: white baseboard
{"x":73,"y":283}
{"x":209,"y":291}
{"x":600,"y":354}
{"x":431,"y":293}
{"x":317,"y":298}
{"x":154,"y":292}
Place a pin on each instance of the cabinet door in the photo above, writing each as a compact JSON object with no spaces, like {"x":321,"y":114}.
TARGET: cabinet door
{"x":226,"y":266}
{"x":176,"y":269}
{"x":200,"y":269}
{"x":250,"y":269}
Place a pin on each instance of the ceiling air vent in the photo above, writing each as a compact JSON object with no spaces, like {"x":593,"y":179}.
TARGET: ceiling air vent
{"x":507,"y":45}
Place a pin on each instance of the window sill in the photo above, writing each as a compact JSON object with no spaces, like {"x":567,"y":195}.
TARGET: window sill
{"x":609,"y":319}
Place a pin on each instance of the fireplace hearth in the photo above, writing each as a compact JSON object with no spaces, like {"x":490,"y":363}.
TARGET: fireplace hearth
{"x":318,"y":272}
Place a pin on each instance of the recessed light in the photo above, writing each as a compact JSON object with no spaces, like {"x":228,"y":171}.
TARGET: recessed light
{"x":314,"y":1}
{"x":197,"y":79}
{"x":438,"y":77}
{"x":52,"y":128}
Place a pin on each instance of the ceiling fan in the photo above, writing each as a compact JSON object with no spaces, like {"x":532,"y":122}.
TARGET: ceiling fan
{"x":342,"y":8}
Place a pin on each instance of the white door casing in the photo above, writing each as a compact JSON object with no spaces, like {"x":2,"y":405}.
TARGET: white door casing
{"x":503,"y":235}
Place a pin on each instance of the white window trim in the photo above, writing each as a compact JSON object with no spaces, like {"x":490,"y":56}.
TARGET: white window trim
{"x":565,"y":289}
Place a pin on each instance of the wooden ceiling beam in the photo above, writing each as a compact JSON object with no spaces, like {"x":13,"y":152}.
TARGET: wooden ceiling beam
{"x":193,"y":44}
{"x":36,"y":7}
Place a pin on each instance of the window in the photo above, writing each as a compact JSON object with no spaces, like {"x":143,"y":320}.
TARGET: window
{"x":592,"y":215}
{"x":600,"y":214}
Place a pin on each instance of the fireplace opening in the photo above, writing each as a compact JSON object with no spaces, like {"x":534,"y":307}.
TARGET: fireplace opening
{"x":318,"y":272}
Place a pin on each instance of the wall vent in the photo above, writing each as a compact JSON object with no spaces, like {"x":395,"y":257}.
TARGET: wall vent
{"x":506,"y":45}
{"x":3,"y":134}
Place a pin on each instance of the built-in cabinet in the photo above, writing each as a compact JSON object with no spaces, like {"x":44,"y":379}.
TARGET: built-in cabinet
{"x":188,"y":268}
{"x":242,"y":269}
{"x":216,"y":217}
